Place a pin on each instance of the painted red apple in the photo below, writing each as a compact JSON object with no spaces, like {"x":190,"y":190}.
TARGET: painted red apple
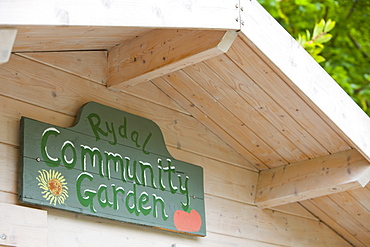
{"x":187,"y":222}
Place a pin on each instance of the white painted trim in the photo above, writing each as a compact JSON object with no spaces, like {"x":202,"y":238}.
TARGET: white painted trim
{"x":7,"y":38}
{"x":208,"y":14}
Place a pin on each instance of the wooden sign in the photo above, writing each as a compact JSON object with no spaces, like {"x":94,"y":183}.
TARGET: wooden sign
{"x":114,"y":165}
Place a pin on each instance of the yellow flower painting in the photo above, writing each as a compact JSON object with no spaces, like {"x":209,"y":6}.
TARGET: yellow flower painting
{"x":53,"y":185}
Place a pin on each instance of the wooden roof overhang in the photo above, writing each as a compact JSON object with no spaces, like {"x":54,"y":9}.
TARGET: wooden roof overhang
{"x":232,"y":67}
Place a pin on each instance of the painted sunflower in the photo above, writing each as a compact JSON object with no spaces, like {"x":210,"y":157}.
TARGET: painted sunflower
{"x":53,"y":185}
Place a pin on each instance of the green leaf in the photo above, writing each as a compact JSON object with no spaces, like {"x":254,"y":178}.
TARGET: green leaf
{"x":301,"y":39}
{"x":329,"y":26}
{"x":319,"y":27}
{"x":325,"y":38}
{"x":308,"y":34}
{"x":317,"y":51}
{"x":319,"y":59}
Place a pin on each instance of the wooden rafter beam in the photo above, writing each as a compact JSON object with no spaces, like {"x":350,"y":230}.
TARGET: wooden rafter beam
{"x":312,"y":178}
{"x":7,"y":38}
{"x":163,"y":51}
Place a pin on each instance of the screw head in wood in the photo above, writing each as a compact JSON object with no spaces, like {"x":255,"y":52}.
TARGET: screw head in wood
{"x":3,"y":236}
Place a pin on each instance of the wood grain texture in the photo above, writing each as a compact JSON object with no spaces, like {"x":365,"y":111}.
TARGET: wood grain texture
{"x":71,"y":38}
{"x":127,"y":235}
{"x":250,"y":161}
{"x":266,"y":225}
{"x":362,"y":196}
{"x":270,"y":82}
{"x":306,"y":77}
{"x":343,"y":219}
{"x":262,"y":106}
{"x":23,"y":226}
{"x":295,"y":209}
{"x":260,"y":135}
{"x":65,"y":93}
{"x":313,"y":178}
{"x":238,"y":183}
{"x":91,"y":65}
{"x":353,"y":207}
{"x":159,"y":52}
{"x":320,"y":212}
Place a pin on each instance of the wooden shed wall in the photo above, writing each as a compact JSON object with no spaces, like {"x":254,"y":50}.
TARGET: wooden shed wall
{"x":34,"y":86}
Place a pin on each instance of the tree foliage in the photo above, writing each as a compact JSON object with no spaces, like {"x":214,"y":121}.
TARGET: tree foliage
{"x":346,"y":52}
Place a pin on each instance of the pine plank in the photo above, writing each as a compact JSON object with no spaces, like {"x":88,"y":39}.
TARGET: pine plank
{"x":321,"y":176}
{"x":241,"y":220}
{"x":71,"y":38}
{"x":23,"y":226}
{"x":161,"y":51}
{"x":62,"y":92}
{"x":91,"y":65}
{"x":353,"y":208}
{"x":272,"y":84}
{"x":362,"y":195}
{"x":295,"y":209}
{"x":251,"y":161}
{"x":265,"y":105}
{"x":65,"y":230}
{"x":343,"y":218}
{"x":7,"y":197}
{"x":148,"y":91}
{"x":222,"y":116}
{"x":229,"y":228}
{"x":9,"y":156}
{"x":305,"y":76}
{"x":328,"y":220}
{"x":11,"y":111}
{"x":245,"y":113}
{"x":238,"y":184}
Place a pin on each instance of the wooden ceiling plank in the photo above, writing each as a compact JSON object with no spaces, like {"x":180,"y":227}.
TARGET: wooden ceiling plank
{"x":267,"y":225}
{"x":270,"y":82}
{"x":295,"y":209}
{"x":91,"y":65}
{"x":160,"y":52}
{"x":266,"y":106}
{"x":244,"y":113}
{"x":72,"y":38}
{"x":210,"y":107}
{"x":312,"y":178}
{"x":353,"y":208}
{"x":362,"y":195}
{"x":320,"y":211}
{"x":215,"y":128}
{"x":305,"y":76}
{"x":65,"y":93}
{"x":338,"y":214}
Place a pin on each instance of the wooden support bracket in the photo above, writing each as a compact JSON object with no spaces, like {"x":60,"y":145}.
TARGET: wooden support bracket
{"x":159,"y":52}
{"x":312,"y":178}
{"x":7,"y":38}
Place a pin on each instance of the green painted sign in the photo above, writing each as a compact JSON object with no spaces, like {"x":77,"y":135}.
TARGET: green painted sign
{"x":114,"y":165}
